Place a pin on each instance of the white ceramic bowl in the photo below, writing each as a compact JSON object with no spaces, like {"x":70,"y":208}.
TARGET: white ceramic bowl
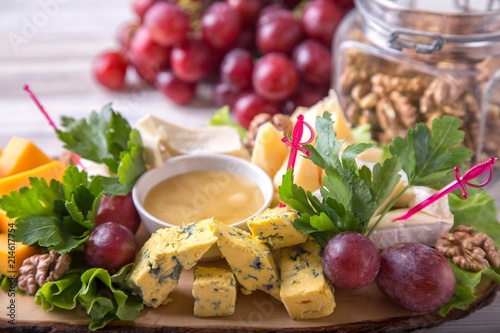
{"x":198,"y":162}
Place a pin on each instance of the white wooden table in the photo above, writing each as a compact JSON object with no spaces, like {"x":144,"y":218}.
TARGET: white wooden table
{"x":49,"y":44}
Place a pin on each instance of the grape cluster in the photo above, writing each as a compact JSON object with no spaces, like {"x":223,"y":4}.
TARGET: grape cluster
{"x":258,"y":55}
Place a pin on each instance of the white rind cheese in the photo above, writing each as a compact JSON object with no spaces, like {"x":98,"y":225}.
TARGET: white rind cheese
{"x":163,"y":140}
{"x":274,"y":226}
{"x":161,"y":260}
{"x":305,"y":292}
{"x":251,"y":260}
{"x":214,"y":292}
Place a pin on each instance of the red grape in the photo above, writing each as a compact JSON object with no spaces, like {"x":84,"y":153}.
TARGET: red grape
{"x":167,"y":23}
{"x":225,"y":94}
{"x":248,"y":105}
{"x":246,"y":40}
{"x":269,"y":13}
{"x":351,"y":260}
{"x":178,"y":91}
{"x":275,"y":77}
{"x":248,"y":9}
{"x":416,"y":277}
{"x":306,"y":96}
{"x":145,"y":52}
{"x":313,"y":61}
{"x":192,"y":60}
{"x":110,"y":69}
{"x":110,"y":246}
{"x":126,"y":33}
{"x":119,"y":209}
{"x":141,"y":6}
{"x":220,"y":25}
{"x":279,"y":34}
{"x":320,"y":19}
{"x":237,"y":67}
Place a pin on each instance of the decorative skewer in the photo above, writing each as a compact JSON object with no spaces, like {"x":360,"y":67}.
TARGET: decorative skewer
{"x":295,"y":144}
{"x":460,"y":181}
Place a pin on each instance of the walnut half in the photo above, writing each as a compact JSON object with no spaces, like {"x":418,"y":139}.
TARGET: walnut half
{"x":469,"y":250}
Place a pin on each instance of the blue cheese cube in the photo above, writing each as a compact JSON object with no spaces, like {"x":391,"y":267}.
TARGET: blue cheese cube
{"x":161,"y":260}
{"x":305,"y":291}
{"x":214,"y":292}
{"x":274,"y":226}
{"x":251,"y":260}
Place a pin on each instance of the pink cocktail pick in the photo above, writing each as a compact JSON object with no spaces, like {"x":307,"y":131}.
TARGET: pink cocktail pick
{"x":296,"y":144}
{"x":47,"y":116}
{"x":460,"y":181}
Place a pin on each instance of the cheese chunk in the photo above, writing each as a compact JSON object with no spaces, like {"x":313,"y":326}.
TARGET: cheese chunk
{"x":12,"y":255}
{"x":168,"y":251}
{"x":21,"y":155}
{"x":4,"y":222}
{"x":214,"y":292}
{"x":163,"y":140}
{"x":421,"y":228}
{"x":274,"y":226}
{"x":52,"y":170}
{"x":252,"y":261}
{"x":304,"y":290}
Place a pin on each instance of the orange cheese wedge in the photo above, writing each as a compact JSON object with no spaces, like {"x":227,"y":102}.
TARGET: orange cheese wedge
{"x":48,"y":171}
{"x":21,"y":155}
{"x":12,"y":255}
{"x":4,"y":222}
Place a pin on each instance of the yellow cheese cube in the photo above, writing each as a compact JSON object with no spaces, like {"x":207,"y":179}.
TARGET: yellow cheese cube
{"x":21,"y":155}
{"x":12,"y":255}
{"x":52,"y":170}
{"x":304,"y":290}
{"x":274,"y":226}
{"x":214,"y":292}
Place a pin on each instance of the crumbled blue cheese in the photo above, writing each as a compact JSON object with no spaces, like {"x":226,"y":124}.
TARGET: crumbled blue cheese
{"x":274,"y":226}
{"x":305,"y":292}
{"x":161,"y":260}
{"x":251,"y":260}
{"x":214,"y":292}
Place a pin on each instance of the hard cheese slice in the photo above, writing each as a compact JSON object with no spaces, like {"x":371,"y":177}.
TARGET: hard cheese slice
{"x":21,"y":155}
{"x":214,"y":292}
{"x":12,"y":255}
{"x":252,"y":261}
{"x":168,"y":251}
{"x":304,"y":290}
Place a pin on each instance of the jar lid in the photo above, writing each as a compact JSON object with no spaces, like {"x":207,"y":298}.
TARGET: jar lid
{"x":477,"y":20}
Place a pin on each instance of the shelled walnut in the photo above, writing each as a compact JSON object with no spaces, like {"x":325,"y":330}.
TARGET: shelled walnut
{"x":469,"y":250}
{"x":393,"y":96}
{"x":41,"y":268}
{"x":282,"y":122}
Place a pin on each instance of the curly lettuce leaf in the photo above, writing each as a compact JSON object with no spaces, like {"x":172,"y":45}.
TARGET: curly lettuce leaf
{"x":104,"y":297}
{"x":465,"y":290}
{"x":107,"y":298}
{"x":222,"y":117}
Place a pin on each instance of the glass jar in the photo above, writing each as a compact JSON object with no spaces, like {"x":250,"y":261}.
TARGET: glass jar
{"x":400,"y":62}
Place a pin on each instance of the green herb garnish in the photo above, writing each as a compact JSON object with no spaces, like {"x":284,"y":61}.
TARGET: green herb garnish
{"x":57,"y":215}
{"x":106,"y":137}
{"x":222,"y":117}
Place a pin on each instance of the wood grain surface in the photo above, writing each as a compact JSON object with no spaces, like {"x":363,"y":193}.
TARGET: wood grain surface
{"x":50,"y":44}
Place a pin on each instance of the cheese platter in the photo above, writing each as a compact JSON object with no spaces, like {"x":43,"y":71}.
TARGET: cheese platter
{"x":359,"y":310}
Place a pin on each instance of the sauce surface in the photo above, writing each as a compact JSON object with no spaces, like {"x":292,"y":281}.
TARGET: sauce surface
{"x":198,"y":195}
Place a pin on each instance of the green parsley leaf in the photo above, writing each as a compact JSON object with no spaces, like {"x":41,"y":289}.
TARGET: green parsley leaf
{"x":106,"y":137}
{"x":350,"y":196}
{"x":428,"y":156}
{"x":222,"y":117}
{"x":59,"y":216}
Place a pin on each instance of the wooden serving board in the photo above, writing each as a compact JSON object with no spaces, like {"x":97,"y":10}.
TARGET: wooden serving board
{"x":359,"y":311}
{"x":362,"y":310}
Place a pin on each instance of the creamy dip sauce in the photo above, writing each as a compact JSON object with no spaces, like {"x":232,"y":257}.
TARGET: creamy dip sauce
{"x":198,"y":195}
